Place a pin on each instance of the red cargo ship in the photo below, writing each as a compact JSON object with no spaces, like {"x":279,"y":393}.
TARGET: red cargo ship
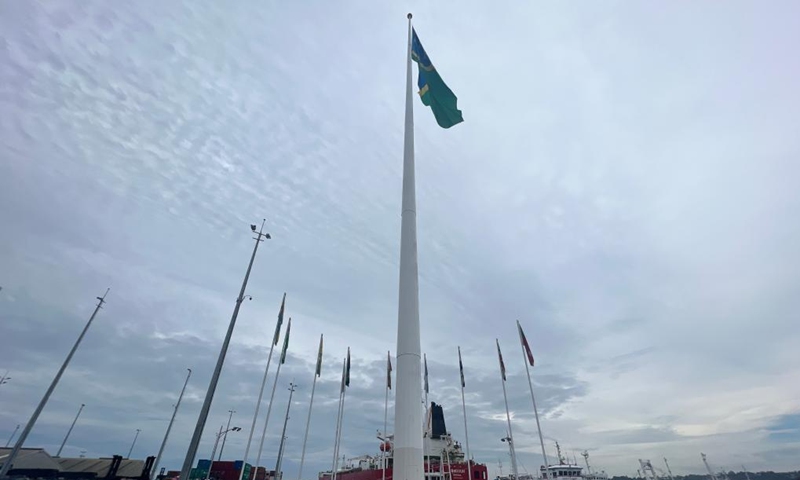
{"x":444,"y":458}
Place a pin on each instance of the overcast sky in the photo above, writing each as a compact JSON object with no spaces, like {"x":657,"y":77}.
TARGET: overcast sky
{"x":625,"y":184}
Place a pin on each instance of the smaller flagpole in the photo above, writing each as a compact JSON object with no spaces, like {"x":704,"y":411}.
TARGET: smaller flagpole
{"x":346,"y":384}
{"x":58,"y":454}
{"x":310,"y":406}
{"x":426,"y":457}
{"x":464,"y":408}
{"x":272,"y":395}
{"x":508,"y":413}
{"x":338,"y":425}
{"x":341,"y":428}
{"x":278,"y":472}
{"x":386,"y":412}
{"x":275,"y":340}
{"x":525,"y":358}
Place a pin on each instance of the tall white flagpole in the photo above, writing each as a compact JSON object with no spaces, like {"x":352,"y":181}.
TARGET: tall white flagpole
{"x":386,"y":412}
{"x":338,"y":425}
{"x":508,"y":414}
{"x":464,"y":408}
{"x":317,"y":373}
{"x":272,"y":397}
{"x":275,"y":339}
{"x":407,"y":414}
{"x":533,"y":398}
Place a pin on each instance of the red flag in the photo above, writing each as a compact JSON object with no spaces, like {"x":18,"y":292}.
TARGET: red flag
{"x":525,"y":345}
{"x":502,"y":365}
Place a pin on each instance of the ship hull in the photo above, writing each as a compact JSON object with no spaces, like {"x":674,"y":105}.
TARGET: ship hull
{"x":457,"y":471}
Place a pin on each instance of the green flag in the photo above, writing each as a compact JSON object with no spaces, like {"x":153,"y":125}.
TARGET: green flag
{"x":432,"y":89}
{"x":427,"y":390}
{"x":280,"y":322}
{"x":318,"y":371}
{"x":286,"y":341}
{"x":347,"y":374}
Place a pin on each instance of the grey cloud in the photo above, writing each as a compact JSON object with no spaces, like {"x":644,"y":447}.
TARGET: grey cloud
{"x":624,"y":185}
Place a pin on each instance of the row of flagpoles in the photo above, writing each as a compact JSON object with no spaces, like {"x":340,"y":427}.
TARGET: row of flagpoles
{"x":345,"y":383}
{"x":317,"y":373}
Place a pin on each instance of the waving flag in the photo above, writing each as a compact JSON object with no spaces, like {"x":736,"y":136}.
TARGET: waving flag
{"x":432,"y":89}
{"x":318,"y":372}
{"x":425,"y":357}
{"x":389,"y":370}
{"x":525,"y":345}
{"x":286,"y":341}
{"x":347,"y":374}
{"x":502,"y":365}
{"x":461,"y":368}
{"x":344,"y":370}
{"x":280,"y":321}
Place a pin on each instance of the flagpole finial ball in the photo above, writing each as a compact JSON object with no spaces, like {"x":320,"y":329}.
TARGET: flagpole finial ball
{"x":409,"y":16}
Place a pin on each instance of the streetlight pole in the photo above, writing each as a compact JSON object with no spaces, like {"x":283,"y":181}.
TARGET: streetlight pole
{"x":169,"y":427}
{"x":278,"y":474}
{"x":132,"y":444}
{"x":222,"y":434}
{"x":214,"y":453}
{"x":9,"y":461}
{"x":212,"y":386}
{"x":70,"y":430}
{"x":231,"y":412}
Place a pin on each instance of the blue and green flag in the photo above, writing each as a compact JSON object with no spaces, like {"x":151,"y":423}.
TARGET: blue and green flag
{"x":432,"y":89}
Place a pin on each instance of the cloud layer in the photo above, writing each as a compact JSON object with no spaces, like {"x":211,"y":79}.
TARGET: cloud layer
{"x":625,"y":184}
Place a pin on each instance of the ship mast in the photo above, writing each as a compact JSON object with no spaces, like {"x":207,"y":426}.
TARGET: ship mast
{"x":670,"y":471}
{"x":710,"y":472}
{"x":585,"y":456}
{"x":646,"y":466}
{"x":561,"y":460}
